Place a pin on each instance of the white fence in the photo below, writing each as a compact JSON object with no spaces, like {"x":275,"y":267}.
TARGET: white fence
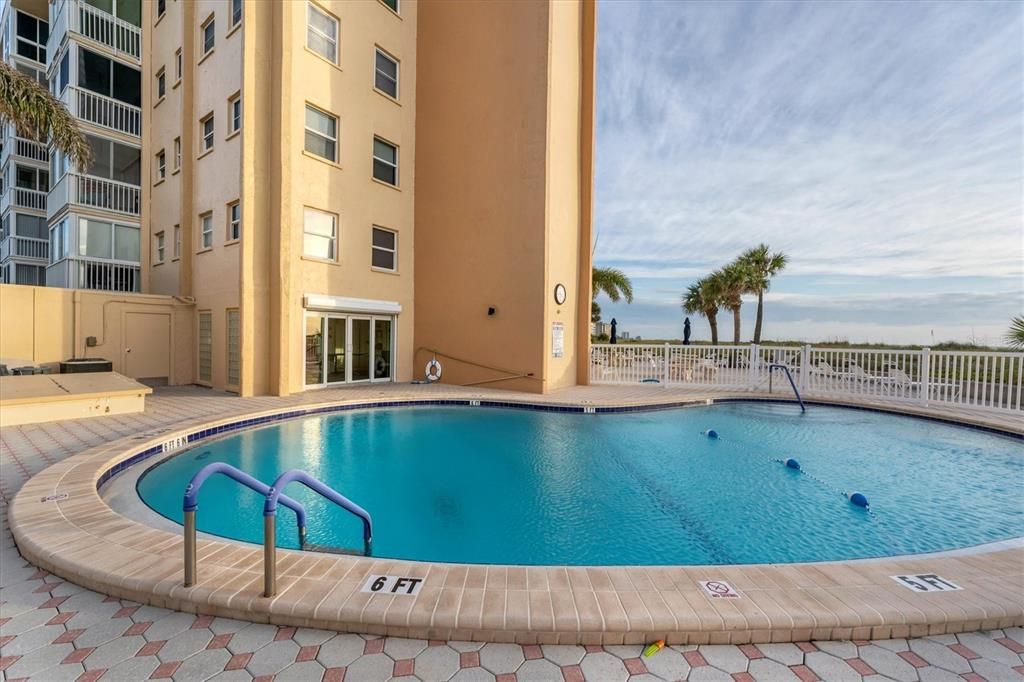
{"x":986,"y":380}
{"x":103,"y":111}
{"x":76,"y":16}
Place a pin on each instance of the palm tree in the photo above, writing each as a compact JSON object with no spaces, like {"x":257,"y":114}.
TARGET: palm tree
{"x":761,"y":265}
{"x":614,"y":283}
{"x":1015,"y":335}
{"x":703,"y":297}
{"x":732,"y":283}
{"x":38,"y":115}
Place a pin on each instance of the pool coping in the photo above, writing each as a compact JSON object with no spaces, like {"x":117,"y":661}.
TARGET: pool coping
{"x":61,"y":523}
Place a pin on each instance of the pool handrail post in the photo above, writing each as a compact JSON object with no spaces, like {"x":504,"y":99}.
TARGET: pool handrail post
{"x":190,"y":504}
{"x":784,"y":368}
{"x":269,"y":555}
{"x":665,"y":374}
{"x":270,"y":512}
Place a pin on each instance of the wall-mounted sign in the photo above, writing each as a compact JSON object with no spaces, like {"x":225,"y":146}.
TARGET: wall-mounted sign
{"x":926,"y":582}
{"x":557,"y":339}
{"x":392,"y":584}
{"x":560,"y":294}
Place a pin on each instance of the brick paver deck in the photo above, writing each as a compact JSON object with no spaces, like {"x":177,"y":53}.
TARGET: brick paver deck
{"x":52,"y":629}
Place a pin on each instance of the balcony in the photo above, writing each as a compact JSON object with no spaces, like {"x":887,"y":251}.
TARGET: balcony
{"x":94,"y":273}
{"x":19,"y":198}
{"x":86,"y":190}
{"x":24,"y":248}
{"x":24,"y":150}
{"x":94,"y":25}
{"x":103,"y":111}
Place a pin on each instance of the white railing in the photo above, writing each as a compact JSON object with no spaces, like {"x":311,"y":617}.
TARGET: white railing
{"x":103,"y":111}
{"x":985,"y":380}
{"x":110,"y":195}
{"x":94,"y":273}
{"x":19,"y":197}
{"x":24,"y":149}
{"x":14,"y":246}
{"x":75,"y":16}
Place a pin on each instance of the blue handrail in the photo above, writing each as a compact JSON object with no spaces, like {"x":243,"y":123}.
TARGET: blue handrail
{"x":297,"y":475}
{"x":789,"y":376}
{"x":191,"y":500}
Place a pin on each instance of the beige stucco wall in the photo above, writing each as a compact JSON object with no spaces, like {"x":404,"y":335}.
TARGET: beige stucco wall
{"x":45,"y":325}
{"x":500,"y":187}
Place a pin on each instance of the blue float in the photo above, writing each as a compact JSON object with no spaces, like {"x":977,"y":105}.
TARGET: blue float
{"x":792,"y":464}
{"x":711,"y":433}
{"x":859,"y":499}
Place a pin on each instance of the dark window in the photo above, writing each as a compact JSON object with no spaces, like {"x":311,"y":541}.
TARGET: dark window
{"x":236,"y":12}
{"x":385,"y":161}
{"x":65,"y":67}
{"x":393,"y":4}
{"x":385,"y":76}
{"x":161,"y":7}
{"x":110,"y":78}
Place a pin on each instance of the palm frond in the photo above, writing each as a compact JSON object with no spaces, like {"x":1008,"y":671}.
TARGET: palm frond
{"x":1015,"y":335}
{"x":613,"y":282}
{"x":38,"y":115}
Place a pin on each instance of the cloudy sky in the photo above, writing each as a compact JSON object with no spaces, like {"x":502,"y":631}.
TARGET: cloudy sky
{"x":879,"y":144}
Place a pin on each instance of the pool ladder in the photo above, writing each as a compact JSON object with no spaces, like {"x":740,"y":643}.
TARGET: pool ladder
{"x":785,"y":368}
{"x":273,"y":495}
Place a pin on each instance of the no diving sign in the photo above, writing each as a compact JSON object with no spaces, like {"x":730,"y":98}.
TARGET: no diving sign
{"x":718,"y":589}
{"x":926,"y":582}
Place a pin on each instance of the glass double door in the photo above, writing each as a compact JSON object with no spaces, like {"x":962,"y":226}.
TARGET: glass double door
{"x":348,"y":348}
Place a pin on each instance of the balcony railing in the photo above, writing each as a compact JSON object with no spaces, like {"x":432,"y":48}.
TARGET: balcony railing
{"x":110,"y":195}
{"x":94,"y":273}
{"x":24,"y":149}
{"x":103,"y":111}
{"x":14,"y":246}
{"x":17,"y":197}
{"x":75,"y":16}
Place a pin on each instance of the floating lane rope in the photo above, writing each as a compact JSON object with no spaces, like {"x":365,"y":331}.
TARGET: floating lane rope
{"x":856,"y":498}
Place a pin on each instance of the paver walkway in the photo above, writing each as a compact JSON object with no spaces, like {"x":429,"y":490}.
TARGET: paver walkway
{"x":53,"y":630}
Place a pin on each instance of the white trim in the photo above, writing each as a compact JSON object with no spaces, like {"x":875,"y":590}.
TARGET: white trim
{"x":350,"y":305}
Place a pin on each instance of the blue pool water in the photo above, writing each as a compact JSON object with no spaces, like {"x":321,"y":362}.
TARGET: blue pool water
{"x":486,"y":485}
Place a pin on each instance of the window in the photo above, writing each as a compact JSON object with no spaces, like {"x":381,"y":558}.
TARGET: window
{"x":128,"y":10}
{"x":177,"y":242}
{"x":234,"y":113}
{"x":320,"y":233}
{"x":27,"y":177}
{"x":322,"y":33}
{"x":385,"y":77}
{"x":206,"y":132}
{"x":209,"y":33}
{"x":393,"y":4}
{"x":100,"y":239}
{"x":58,"y":241}
{"x":29,"y":226}
{"x":177,"y":65}
{"x":206,"y":235}
{"x":234,"y":347}
{"x":159,"y":247}
{"x":321,"y":134}
{"x":206,"y":346}
{"x":177,"y":153}
{"x":161,"y":165}
{"x":32,"y":34}
{"x":236,"y":12}
{"x":161,"y":8}
{"x":108,"y":77}
{"x":64,"y":72}
{"x":385,"y":249}
{"x":385,"y":161}
{"x":161,"y":85}
{"x":114,"y":161}
{"x":234,"y":221}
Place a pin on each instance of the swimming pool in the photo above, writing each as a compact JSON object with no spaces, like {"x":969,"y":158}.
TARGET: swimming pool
{"x":487,"y":485}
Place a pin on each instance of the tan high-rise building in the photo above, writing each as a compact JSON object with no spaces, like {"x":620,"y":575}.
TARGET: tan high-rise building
{"x":348,"y":189}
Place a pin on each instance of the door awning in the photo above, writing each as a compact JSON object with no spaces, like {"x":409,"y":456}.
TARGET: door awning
{"x":350,"y":305}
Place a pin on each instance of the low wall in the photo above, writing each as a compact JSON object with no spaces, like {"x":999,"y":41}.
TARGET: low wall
{"x":145,"y":337}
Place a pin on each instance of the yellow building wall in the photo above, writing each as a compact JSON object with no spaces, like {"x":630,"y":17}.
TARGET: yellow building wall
{"x":52,"y":325}
{"x":500,"y":185}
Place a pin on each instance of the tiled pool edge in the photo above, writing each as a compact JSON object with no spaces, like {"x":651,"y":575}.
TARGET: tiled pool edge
{"x":585,"y":605}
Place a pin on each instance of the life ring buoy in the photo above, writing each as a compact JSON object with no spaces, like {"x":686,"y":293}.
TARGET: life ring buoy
{"x":433,"y":370}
